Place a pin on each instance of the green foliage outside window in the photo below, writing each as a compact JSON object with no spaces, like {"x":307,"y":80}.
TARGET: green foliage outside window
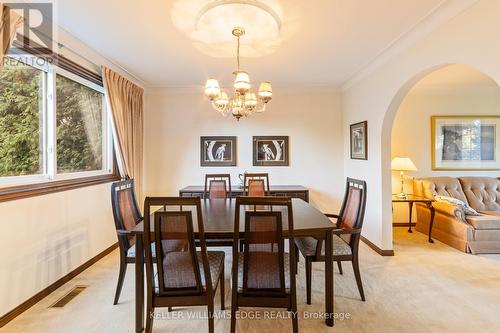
{"x":78,"y":123}
{"x":20,"y":117}
{"x":79,"y":127}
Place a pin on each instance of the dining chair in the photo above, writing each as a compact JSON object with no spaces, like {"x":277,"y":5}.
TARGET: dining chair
{"x":263,"y":274}
{"x":185,"y":277}
{"x":217,"y":186}
{"x":126,"y":215}
{"x":345,"y":241}
{"x":256,"y":184}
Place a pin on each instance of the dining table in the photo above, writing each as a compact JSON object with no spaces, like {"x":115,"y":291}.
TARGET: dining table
{"x":218,"y":221}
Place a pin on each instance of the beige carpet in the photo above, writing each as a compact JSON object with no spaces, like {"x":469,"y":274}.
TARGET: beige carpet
{"x":424,"y":288}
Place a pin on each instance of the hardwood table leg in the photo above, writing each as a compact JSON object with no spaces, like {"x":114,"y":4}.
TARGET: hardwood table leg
{"x":329,"y":279}
{"x":431,"y":208}
{"x":410,"y":203}
{"x":139,"y":284}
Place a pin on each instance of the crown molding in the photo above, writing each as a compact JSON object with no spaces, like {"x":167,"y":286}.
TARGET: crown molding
{"x":276,"y":87}
{"x":442,"y":13}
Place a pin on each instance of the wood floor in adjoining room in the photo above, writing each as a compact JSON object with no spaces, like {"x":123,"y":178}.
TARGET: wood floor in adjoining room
{"x":423,"y":288}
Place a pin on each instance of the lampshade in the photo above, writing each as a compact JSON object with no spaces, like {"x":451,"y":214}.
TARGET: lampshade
{"x":403,"y":164}
{"x":242,"y":82}
{"x":250,"y":99}
{"x":222,"y":99}
{"x":265,"y":90}
{"x":212,"y":88}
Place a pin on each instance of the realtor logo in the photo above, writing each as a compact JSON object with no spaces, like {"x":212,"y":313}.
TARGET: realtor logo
{"x":37,"y":27}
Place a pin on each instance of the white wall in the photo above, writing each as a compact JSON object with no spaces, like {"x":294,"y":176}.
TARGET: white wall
{"x":176,"y":118}
{"x":45,"y":237}
{"x":411,"y":132}
{"x":469,"y":38}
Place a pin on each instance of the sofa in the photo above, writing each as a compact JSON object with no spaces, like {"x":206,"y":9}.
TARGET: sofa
{"x":468,"y":233}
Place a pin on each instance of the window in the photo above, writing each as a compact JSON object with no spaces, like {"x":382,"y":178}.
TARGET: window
{"x":79,"y":126}
{"x":53,"y":124}
{"x":21,"y":120}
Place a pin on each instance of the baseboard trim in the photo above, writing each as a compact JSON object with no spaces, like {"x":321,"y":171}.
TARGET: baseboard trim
{"x":51,"y":288}
{"x":403,"y":224}
{"x":385,"y":253}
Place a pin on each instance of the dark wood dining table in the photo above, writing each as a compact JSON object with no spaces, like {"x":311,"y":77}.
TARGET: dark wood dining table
{"x":218,"y":221}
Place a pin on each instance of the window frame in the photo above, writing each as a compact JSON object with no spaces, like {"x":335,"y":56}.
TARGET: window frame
{"x":107,"y":161}
{"x":49,"y":181}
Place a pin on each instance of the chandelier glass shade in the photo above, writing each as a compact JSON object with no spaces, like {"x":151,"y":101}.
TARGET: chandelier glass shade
{"x":243,"y":102}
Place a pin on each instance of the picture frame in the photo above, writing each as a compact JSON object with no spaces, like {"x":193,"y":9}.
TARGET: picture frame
{"x":270,"y":151}
{"x":359,"y":140}
{"x":218,"y":151}
{"x":465,"y":142}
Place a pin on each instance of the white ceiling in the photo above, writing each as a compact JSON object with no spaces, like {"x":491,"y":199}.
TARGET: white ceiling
{"x":335,"y":40}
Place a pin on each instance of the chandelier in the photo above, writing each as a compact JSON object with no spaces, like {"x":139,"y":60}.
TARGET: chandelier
{"x":243,"y":102}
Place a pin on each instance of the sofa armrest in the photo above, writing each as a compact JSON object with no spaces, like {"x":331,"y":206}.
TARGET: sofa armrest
{"x":449,"y":209}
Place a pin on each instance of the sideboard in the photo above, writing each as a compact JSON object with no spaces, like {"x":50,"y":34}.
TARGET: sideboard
{"x":294,"y":191}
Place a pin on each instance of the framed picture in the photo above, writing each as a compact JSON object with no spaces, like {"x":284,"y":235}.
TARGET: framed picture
{"x":465,"y":142}
{"x":216,"y":151}
{"x":270,"y":151}
{"x":359,"y":141}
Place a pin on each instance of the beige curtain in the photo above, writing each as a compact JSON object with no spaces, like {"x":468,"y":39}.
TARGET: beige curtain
{"x":127,"y":108}
{"x":9,"y":22}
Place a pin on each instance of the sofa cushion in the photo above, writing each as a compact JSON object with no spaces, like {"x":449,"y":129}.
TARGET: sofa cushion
{"x":483,"y":193}
{"x":491,"y":212}
{"x":484,"y":221}
{"x":445,"y":186}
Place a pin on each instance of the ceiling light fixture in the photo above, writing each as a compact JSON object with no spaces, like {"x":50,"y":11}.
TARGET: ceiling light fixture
{"x":208,"y":23}
{"x":243,"y":102}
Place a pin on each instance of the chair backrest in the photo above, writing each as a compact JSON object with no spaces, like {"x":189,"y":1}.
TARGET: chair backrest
{"x":171,"y":230}
{"x":217,"y":186}
{"x":126,"y":211}
{"x":256,"y":184}
{"x":263,"y":250}
{"x":352,"y":212}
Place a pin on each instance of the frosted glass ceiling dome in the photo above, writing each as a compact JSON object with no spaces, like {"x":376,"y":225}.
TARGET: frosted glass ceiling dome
{"x":209,"y":24}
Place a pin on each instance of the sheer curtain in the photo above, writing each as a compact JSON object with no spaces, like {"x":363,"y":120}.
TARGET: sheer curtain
{"x":9,"y":22}
{"x":127,"y":108}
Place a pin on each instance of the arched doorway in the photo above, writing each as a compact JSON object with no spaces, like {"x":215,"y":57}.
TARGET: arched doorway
{"x":443,"y":74}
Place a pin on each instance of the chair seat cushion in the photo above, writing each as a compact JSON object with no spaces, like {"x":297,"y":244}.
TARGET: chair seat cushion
{"x":307,"y":246}
{"x":131,"y":251}
{"x":216,"y":263}
{"x":484,"y":221}
{"x":265,"y":271}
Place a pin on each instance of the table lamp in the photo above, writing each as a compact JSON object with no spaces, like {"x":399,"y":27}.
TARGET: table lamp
{"x":402,"y":164}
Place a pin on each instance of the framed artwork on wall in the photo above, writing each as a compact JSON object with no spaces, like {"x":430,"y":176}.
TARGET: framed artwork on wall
{"x":359,"y":141}
{"x":217,"y":151}
{"x":465,"y":142}
{"x":270,"y":151}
